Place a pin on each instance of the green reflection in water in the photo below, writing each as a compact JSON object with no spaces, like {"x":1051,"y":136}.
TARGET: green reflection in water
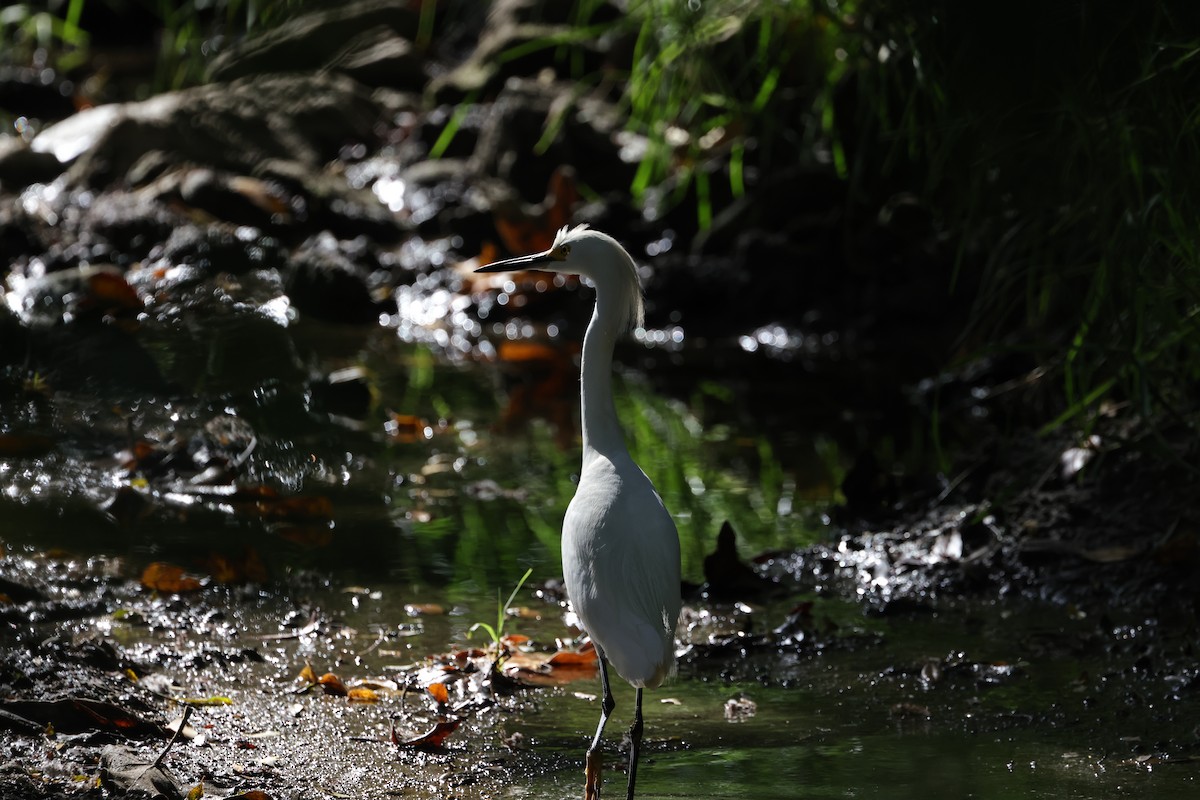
{"x":705,"y":475}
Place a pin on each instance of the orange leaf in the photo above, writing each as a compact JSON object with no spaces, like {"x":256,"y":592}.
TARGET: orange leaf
{"x":361,"y":694}
{"x":439,"y":693}
{"x":522,"y":236}
{"x":424,"y":610}
{"x":434,"y":738}
{"x":308,"y":674}
{"x":169,"y":578}
{"x":300,"y":507}
{"x":306,"y":535}
{"x":332,"y":684}
{"x":520,"y":350}
{"x":571,"y":659}
{"x":111,"y":291}
{"x":406,"y":428}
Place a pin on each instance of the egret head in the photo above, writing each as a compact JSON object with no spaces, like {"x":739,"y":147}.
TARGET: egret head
{"x":592,"y":255}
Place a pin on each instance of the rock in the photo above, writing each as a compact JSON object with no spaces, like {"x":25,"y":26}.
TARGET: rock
{"x":378,"y":58}
{"x":36,"y":93}
{"x":21,"y":165}
{"x":236,"y":127}
{"x":222,"y":248}
{"x":326,"y":284}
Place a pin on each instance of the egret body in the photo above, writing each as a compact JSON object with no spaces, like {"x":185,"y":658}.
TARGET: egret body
{"x":620,"y":549}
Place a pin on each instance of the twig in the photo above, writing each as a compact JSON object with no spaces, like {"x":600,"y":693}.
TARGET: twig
{"x":187,"y":712}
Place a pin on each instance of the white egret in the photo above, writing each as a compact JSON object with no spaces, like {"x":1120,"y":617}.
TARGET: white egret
{"x":620,"y":549}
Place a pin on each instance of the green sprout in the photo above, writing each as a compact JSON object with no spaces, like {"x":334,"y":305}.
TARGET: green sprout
{"x":497,"y":632}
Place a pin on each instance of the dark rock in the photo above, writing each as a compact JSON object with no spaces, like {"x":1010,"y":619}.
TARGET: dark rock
{"x":223,"y":248}
{"x":236,"y":198}
{"x":21,"y":165}
{"x":36,"y":93}
{"x":378,"y":58}
{"x":327,"y":285}
{"x":234,"y":127}
{"x":132,"y":223}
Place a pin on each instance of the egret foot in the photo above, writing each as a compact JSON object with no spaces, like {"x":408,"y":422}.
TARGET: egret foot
{"x":591,"y":785}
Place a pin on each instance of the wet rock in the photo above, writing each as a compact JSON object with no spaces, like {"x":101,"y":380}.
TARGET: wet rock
{"x":21,"y":165}
{"x":237,"y":126}
{"x":236,"y":198}
{"x":329,"y":38}
{"x":378,"y":58}
{"x":326,"y":284}
{"x":101,"y":360}
{"x":222,"y":248}
{"x":130,"y":223}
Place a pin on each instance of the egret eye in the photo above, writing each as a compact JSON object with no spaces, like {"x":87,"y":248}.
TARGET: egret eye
{"x":565,"y":249}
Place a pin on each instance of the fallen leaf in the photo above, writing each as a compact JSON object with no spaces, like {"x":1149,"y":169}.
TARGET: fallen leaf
{"x":361,"y":694}
{"x":169,"y":578}
{"x":406,"y":428}
{"x":439,"y":692}
{"x":332,"y":684}
{"x":110,"y":293}
{"x":433,"y":739}
{"x":80,"y":715}
{"x":573,"y":659}
{"x":424,"y":609}
{"x":125,"y":773}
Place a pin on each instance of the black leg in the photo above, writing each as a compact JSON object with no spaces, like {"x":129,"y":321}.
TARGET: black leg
{"x":606,"y":706}
{"x":635,"y":743}
{"x":592,"y":768}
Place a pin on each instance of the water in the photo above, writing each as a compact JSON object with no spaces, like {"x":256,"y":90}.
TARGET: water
{"x":443,"y":491}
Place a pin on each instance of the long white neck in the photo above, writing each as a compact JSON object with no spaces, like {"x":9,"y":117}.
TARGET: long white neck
{"x":601,"y":430}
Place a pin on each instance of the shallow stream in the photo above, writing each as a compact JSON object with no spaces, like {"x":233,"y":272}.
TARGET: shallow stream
{"x":435,"y":482}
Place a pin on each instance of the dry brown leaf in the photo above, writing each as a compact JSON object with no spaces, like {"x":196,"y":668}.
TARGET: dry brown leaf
{"x":332,"y":684}
{"x":439,"y":693}
{"x":406,"y":428}
{"x":361,"y":694}
{"x":424,"y":609}
{"x":306,"y":535}
{"x":110,"y":292}
{"x":169,"y":578}
{"x":573,"y":659}
{"x":433,"y":739}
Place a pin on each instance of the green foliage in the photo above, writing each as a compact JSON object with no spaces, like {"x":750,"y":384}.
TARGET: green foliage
{"x":192,"y":30}
{"x":497,"y":632}
{"x":190,"y":35}
{"x":1062,"y":156}
{"x":32,"y":34}
{"x":705,"y":80}
{"x":705,"y":478}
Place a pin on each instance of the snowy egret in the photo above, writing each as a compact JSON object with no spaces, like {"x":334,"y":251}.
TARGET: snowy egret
{"x":620,"y":549}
